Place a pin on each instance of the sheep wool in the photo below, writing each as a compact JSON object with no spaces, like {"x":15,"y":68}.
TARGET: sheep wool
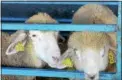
{"x":96,"y":14}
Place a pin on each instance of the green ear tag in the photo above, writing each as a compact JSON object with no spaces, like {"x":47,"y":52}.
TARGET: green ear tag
{"x":68,"y":62}
{"x":19,"y":46}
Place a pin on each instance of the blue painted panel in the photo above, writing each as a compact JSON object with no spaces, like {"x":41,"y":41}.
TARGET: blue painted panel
{"x":57,"y":27}
{"x":57,"y":10}
{"x":49,"y":73}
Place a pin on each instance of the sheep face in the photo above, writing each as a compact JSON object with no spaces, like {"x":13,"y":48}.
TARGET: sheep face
{"x":46,"y":46}
{"x":92,"y":62}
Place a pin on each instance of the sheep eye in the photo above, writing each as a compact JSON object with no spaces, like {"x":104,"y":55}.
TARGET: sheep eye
{"x":33,"y":35}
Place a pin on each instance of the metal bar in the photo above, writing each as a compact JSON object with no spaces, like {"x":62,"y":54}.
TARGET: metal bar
{"x":119,"y":14}
{"x":57,"y":27}
{"x":118,"y":66}
{"x":24,"y":19}
{"x":64,"y":3}
{"x":49,"y":73}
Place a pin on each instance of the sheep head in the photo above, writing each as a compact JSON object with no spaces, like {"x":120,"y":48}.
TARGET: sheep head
{"x":44,"y":43}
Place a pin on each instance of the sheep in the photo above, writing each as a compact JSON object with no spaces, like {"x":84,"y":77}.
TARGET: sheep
{"x":14,"y":60}
{"x":89,"y":50}
{"x":40,"y":47}
{"x":96,"y":14}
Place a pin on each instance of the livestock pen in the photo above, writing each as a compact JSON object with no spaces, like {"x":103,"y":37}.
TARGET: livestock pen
{"x":15,"y":13}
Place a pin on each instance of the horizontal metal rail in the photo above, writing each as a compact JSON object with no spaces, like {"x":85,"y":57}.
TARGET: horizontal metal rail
{"x":24,"y":19}
{"x":49,"y":73}
{"x":67,"y":3}
{"x":57,"y":27}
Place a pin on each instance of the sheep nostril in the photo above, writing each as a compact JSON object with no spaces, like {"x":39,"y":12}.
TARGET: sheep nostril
{"x":55,"y":58}
{"x":33,"y":35}
{"x":92,"y":77}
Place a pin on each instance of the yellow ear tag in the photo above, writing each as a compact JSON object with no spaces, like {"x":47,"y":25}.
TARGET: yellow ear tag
{"x":19,"y":46}
{"x":111,"y":57}
{"x":68,"y":62}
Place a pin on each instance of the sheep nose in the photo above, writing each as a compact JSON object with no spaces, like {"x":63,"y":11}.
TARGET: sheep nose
{"x":55,"y":58}
{"x":92,"y":77}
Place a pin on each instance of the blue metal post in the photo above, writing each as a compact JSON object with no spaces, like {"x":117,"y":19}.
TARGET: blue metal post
{"x":118,"y":74}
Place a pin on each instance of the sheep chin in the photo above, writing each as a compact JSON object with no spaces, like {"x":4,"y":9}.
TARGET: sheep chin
{"x":88,"y":78}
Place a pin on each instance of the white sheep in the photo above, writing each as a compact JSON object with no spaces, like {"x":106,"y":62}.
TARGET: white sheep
{"x":89,"y":50}
{"x":41,"y":47}
{"x":96,"y":14}
{"x":13,"y":60}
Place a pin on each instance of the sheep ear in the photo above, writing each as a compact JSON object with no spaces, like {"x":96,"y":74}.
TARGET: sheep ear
{"x":19,"y":36}
{"x":113,"y":49}
{"x":68,"y":53}
{"x":112,"y":38}
{"x":106,"y":49}
{"x":60,"y":36}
